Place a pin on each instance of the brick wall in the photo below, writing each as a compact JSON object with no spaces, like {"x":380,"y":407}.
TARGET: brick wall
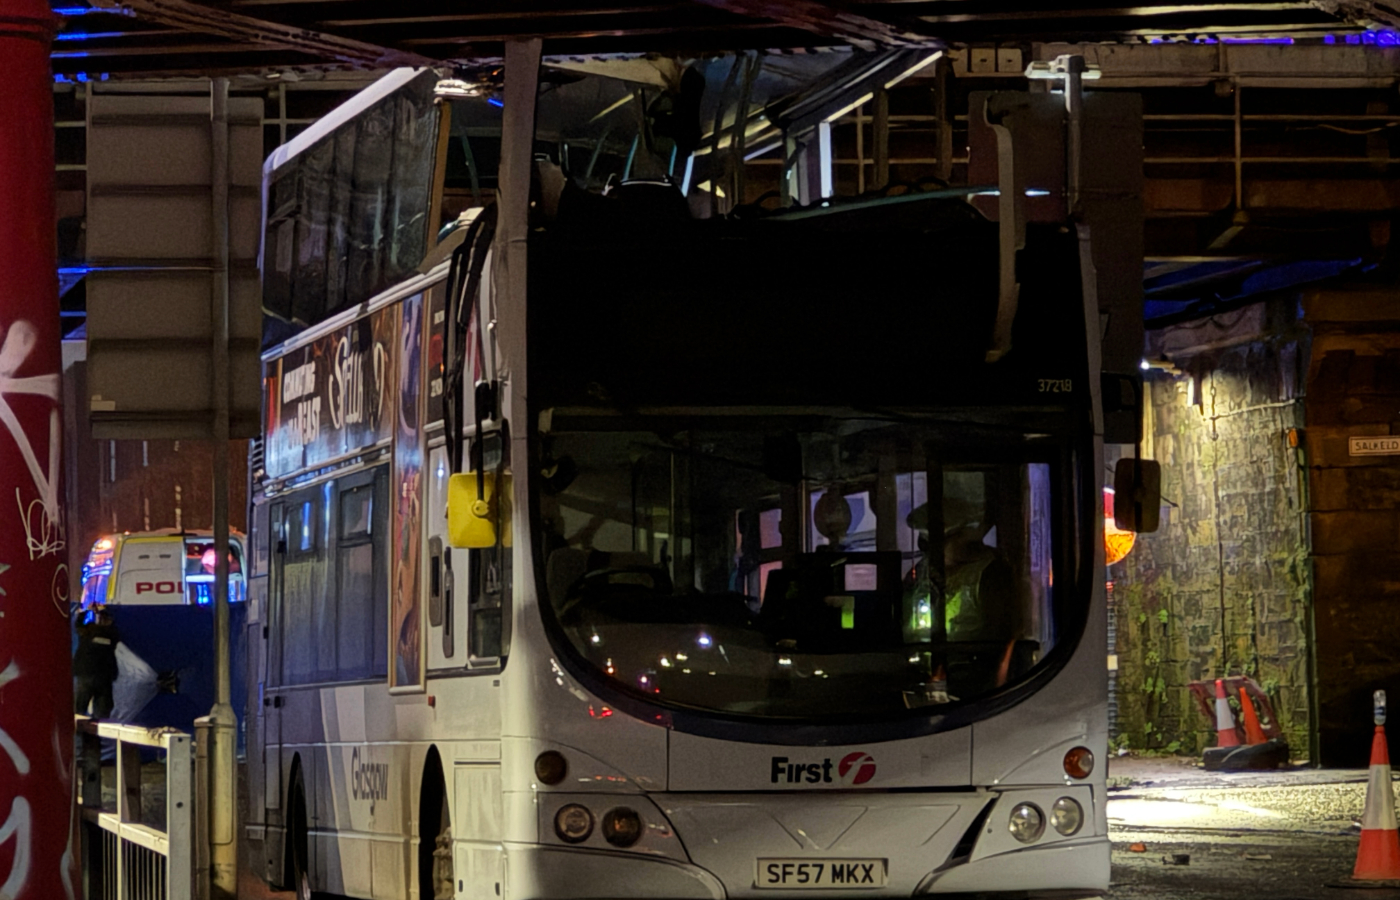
{"x":1223,"y":586}
{"x":138,"y":485}
{"x":1354,"y":391}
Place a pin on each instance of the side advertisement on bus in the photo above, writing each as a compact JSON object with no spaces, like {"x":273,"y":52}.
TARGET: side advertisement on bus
{"x":330,"y":397}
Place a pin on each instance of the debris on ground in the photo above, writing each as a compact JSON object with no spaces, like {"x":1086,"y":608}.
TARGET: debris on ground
{"x":1177,"y":859}
{"x":1138,"y":848}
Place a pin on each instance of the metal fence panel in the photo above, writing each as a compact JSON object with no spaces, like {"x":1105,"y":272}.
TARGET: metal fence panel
{"x":125,"y":857}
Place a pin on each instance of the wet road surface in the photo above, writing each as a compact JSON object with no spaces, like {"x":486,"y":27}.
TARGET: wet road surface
{"x":1179,"y":832}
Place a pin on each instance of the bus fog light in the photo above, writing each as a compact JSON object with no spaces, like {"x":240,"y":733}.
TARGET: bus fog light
{"x":622,"y":827}
{"x":1066,"y":816}
{"x":1079,"y":762}
{"x":573,"y":823}
{"x":1027,"y":823}
{"x":551,"y":767}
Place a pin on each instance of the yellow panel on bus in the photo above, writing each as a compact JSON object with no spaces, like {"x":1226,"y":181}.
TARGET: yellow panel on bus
{"x":472,"y":515}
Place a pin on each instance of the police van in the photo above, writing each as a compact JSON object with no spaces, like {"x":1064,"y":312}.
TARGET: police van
{"x":158,"y":588}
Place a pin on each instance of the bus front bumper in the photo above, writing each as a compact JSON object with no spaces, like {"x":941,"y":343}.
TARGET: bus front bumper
{"x":1060,"y":871}
{"x":569,"y":873}
{"x":1071,"y":870}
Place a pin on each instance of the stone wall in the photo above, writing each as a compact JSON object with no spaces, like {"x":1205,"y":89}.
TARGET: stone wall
{"x":1354,"y":391}
{"x":1223,"y":587}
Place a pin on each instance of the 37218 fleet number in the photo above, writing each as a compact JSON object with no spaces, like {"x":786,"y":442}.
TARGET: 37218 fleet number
{"x":1056,"y":385}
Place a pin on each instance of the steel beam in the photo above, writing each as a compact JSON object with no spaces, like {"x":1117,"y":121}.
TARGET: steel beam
{"x":374,"y":14}
{"x":824,"y":20}
{"x":198,"y":18}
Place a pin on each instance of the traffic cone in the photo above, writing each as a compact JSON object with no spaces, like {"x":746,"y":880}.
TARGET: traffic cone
{"x":1224,"y":722}
{"x":1378,"y":857}
{"x":1253,"y":733}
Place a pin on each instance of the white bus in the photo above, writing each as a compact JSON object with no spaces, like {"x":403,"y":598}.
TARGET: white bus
{"x":793,"y":591}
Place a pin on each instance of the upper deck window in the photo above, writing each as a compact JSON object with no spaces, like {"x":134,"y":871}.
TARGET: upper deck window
{"x":348,"y":216}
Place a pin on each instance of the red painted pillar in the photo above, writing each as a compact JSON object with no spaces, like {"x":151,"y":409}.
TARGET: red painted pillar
{"x":37,"y":839}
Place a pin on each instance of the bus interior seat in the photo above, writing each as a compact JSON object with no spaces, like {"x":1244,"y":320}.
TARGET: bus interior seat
{"x":564,"y":567}
{"x":973,"y":665}
{"x":567,"y":567}
{"x":835,"y":602}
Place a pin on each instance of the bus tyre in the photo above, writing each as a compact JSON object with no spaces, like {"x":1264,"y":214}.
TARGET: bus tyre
{"x":443,"y":876}
{"x":298,"y":841}
{"x":437,"y":879}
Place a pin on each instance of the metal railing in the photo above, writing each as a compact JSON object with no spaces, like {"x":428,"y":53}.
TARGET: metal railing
{"x":137,"y":851}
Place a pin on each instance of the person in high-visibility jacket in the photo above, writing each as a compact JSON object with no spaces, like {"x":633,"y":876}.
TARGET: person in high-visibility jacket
{"x":980,"y":592}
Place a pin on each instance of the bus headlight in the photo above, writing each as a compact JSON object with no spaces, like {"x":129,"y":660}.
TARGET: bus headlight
{"x":1027,"y":823}
{"x":1066,"y":816}
{"x":622,"y":826}
{"x":573,"y":823}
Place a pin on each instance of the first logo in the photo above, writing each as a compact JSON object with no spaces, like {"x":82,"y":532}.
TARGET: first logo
{"x":856,"y":768}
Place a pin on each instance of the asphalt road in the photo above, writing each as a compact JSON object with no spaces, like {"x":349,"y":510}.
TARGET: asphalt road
{"x":1207,"y":837}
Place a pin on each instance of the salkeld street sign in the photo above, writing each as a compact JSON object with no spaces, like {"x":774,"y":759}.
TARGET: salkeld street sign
{"x":1374,"y":446}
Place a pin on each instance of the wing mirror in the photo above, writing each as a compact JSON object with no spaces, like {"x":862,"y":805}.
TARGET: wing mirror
{"x":472,"y":513}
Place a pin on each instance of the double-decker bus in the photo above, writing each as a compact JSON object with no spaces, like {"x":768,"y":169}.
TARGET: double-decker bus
{"x":727,"y":567}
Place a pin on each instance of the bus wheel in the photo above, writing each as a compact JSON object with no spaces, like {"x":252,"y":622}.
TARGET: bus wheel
{"x":436,"y":876}
{"x":298,"y":842}
{"x":444,"y":878}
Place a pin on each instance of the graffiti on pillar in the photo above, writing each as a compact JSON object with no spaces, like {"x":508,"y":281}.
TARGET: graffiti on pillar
{"x":17,"y":827}
{"x":17,"y":757}
{"x":58,"y":589}
{"x":65,"y":863}
{"x":42,"y":516}
{"x":18,"y":824}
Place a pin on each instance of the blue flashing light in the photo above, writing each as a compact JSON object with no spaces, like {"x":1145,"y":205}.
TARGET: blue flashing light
{"x":496,"y":102}
{"x":82,"y":76}
{"x":73,"y":10}
{"x":1353,"y":39}
{"x":1387,"y":38}
{"x":1260,"y":40}
{"x":74,"y":270}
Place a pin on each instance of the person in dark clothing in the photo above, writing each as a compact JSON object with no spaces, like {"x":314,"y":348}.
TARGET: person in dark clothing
{"x":95,"y":663}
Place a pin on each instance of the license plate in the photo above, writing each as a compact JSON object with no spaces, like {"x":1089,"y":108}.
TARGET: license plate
{"x":820,"y":873}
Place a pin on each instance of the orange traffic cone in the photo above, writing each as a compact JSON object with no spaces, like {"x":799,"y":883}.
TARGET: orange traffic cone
{"x":1253,"y":732}
{"x":1378,"y":857}
{"x":1224,"y":722}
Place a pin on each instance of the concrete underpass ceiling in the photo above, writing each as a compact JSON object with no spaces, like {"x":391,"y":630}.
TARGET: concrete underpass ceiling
{"x":182,"y":37}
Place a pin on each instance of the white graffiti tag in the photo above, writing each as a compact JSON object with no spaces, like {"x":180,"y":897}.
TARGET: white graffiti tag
{"x":58,"y":591}
{"x":65,"y":863}
{"x":17,"y":826}
{"x":42,"y":522}
{"x":19,"y":823}
{"x":7,"y":743}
